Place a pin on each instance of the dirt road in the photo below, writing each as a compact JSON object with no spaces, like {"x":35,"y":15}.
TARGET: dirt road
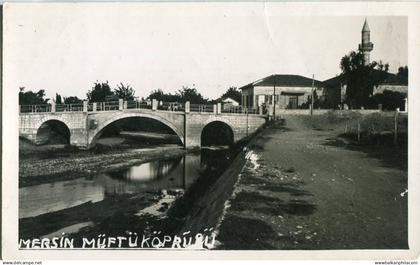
{"x":308,"y":189}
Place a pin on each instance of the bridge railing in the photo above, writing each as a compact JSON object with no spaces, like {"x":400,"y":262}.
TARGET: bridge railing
{"x":201,"y":108}
{"x":76,"y":107}
{"x":90,"y":107}
{"x":108,"y":105}
{"x":240,"y":110}
{"x":35,"y":108}
{"x":134,"y":104}
{"x":171,"y":106}
{"x":153,"y":105}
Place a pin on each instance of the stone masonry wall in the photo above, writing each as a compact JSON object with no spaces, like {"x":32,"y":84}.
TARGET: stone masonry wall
{"x":238,"y":122}
{"x":98,"y":121}
{"x":85,"y":128}
{"x":75,"y":121}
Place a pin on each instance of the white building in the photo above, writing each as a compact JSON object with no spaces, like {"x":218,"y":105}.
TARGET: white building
{"x":229,"y":102}
{"x":288,"y":91}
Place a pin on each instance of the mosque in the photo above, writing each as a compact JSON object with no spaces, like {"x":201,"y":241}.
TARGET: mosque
{"x":294,"y":91}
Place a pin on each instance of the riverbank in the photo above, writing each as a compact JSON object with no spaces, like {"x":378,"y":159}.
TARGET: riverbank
{"x":305,"y":186}
{"x":51,"y":163}
{"x":188,"y":197}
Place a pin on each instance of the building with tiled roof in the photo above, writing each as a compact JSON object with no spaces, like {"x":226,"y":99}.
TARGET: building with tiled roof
{"x":287,"y":91}
{"x":335,"y":88}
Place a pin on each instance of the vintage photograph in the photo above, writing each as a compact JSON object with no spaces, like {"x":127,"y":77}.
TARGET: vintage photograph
{"x":210,"y":128}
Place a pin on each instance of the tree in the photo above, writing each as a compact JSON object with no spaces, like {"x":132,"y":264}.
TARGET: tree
{"x":156,"y":94}
{"x":72,"y":100}
{"x":233,"y":93}
{"x":390,"y":100}
{"x":124,"y":91}
{"x":32,"y":98}
{"x":99,"y":92}
{"x":58,"y":99}
{"x":361,"y":78}
{"x":191,"y":95}
{"x":403,"y":75}
{"x":159,"y":95}
{"x":182,"y":95}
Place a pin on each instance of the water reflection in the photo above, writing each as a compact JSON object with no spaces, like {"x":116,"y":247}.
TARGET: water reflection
{"x":55,"y":196}
{"x":169,"y":174}
{"x":147,"y":172}
{"x":155,"y":195}
{"x":151,"y":171}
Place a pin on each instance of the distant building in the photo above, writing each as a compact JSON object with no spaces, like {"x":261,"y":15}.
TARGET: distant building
{"x":229,"y":103}
{"x":335,"y":88}
{"x":393,"y":83}
{"x":291,"y":91}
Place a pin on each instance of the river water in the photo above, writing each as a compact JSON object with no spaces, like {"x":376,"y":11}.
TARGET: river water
{"x":69,"y":206}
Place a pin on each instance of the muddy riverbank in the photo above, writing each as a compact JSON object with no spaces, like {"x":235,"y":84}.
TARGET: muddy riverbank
{"x":188,"y":198}
{"x":48,"y":164}
{"x":177,"y":195}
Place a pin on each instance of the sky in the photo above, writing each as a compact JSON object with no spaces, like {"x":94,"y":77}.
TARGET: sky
{"x":65,"y":50}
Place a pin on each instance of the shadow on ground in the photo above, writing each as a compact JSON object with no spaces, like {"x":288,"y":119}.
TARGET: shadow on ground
{"x":379,"y":147}
{"x":246,"y":233}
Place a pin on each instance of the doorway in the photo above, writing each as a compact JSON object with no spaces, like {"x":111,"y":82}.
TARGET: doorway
{"x":293,"y":102}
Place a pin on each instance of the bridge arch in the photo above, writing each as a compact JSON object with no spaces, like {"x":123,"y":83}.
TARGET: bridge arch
{"x":96,"y":133}
{"x":52,"y":129}
{"x":217,"y":131}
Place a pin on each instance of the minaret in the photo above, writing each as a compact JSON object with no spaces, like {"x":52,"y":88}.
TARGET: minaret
{"x":366,"y":46}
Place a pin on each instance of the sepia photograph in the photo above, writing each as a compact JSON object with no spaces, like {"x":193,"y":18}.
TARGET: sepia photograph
{"x":207,"y":127}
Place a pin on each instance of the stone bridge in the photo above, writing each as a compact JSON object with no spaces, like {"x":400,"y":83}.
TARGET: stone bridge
{"x":86,"y":125}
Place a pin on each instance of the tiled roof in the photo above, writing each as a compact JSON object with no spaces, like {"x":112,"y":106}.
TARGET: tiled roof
{"x":335,"y":81}
{"x":393,"y":79}
{"x":390,"y":79}
{"x":284,"y":81}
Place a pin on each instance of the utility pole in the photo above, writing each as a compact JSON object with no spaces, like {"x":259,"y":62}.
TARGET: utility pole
{"x":274,"y":98}
{"x":247,"y":123}
{"x":312,"y":96}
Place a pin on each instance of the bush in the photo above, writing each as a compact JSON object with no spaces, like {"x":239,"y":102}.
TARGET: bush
{"x":390,"y":100}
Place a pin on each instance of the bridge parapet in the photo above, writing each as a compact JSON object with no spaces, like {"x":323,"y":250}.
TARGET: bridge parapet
{"x":86,"y":121}
{"x":133,"y":104}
